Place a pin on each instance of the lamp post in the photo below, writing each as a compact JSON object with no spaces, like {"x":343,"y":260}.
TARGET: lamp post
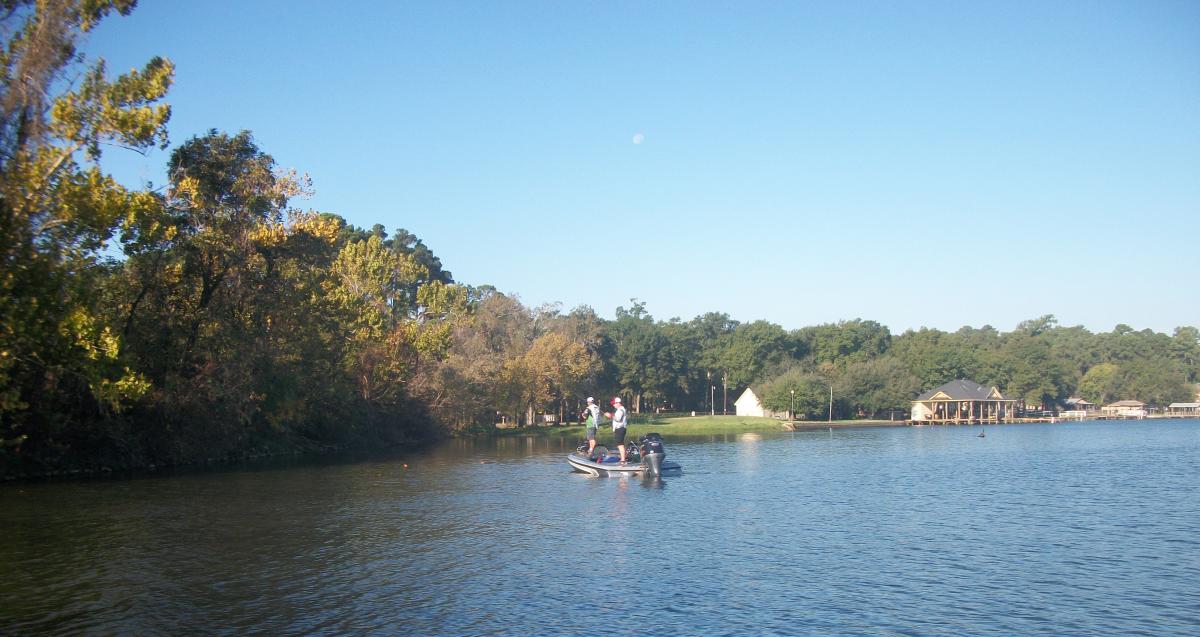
{"x":792,"y":406}
{"x":831,"y":403}
{"x":724,"y":393}
{"x":712,"y":392}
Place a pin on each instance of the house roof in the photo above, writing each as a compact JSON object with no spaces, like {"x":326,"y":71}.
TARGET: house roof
{"x":748,"y":395}
{"x":1183,"y":405}
{"x":962,"y":389}
{"x":1078,"y":401}
{"x":1127,"y":403}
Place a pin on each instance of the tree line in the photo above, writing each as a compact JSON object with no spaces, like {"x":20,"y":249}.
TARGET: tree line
{"x":210,"y":318}
{"x":703,"y":364}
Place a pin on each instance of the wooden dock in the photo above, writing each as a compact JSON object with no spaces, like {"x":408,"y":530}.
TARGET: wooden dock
{"x":974,"y":422}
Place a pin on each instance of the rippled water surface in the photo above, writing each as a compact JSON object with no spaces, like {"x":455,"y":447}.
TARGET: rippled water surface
{"x":1067,"y":529}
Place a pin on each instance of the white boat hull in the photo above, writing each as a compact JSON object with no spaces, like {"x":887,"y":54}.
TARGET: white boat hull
{"x":599,"y":469}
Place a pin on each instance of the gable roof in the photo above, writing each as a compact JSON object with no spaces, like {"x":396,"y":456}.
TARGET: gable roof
{"x":962,"y":389}
{"x":749,"y":395}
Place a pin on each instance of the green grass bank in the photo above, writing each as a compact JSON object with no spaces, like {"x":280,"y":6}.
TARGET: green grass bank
{"x":699,"y":426}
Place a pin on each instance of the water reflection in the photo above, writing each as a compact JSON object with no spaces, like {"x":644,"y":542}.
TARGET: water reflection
{"x":748,"y":450}
{"x":653,"y":482}
{"x":500,"y":537}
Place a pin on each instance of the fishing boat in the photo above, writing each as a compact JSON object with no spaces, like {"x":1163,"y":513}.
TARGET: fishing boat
{"x":645,"y":457}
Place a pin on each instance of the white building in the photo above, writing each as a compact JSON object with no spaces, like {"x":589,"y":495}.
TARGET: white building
{"x":748,"y":404}
{"x":1125,"y":409}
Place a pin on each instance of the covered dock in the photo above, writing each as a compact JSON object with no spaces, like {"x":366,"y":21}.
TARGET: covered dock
{"x":1183,"y":410}
{"x":963,"y":402}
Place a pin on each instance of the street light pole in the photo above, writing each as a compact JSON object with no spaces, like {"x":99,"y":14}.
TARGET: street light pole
{"x":792,"y":406}
{"x":711,"y":392}
{"x":831,"y":403}
{"x":724,"y":393}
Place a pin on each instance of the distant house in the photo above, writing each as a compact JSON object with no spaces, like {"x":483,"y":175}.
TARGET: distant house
{"x":1125,"y":409}
{"x":1079,"y":404}
{"x":1078,"y":409}
{"x":1187,"y":410}
{"x":962,"y":401}
{"x":748,"y":404}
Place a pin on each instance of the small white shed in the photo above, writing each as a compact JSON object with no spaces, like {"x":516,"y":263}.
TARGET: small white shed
{"x":748,"y":404}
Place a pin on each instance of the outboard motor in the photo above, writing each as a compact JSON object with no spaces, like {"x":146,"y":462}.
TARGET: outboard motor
{"x":653,"y":453}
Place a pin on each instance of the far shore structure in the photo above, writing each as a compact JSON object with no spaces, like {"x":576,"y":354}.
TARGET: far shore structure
{"x":963,"y":402}
{"x":1125,"y":409}
{"x":748,"y":404}
{"x":1183,"y":410}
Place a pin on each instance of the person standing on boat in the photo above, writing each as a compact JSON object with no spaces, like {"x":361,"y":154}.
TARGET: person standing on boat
{"x":619,"y":418}
{"x":592,"y":420}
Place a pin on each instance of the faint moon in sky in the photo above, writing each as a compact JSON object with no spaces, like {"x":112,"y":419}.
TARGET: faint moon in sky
{"x":638,"y":138}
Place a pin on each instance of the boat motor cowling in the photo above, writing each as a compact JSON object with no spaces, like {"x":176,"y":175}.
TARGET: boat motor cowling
{"x":653,"y":452}
{"x":652,"y":443}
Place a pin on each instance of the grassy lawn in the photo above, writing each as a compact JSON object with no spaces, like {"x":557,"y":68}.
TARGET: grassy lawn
{"x":702,"y":425}
{"x":693,"y":425}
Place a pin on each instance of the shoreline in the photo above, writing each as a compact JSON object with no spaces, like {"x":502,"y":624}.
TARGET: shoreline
{"x":687,"y":425}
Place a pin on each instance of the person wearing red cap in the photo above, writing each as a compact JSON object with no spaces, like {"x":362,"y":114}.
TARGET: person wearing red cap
{"x":619,"y":419}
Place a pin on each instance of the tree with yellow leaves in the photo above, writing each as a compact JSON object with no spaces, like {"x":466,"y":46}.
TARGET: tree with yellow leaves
{"x":58,"y":364}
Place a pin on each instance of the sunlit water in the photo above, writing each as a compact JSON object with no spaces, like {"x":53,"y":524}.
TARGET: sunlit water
{"x":1066,"y":529}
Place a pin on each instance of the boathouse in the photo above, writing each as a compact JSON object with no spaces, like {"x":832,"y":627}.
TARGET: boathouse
{"x":1078,"y":409}
{"x":1079,"y":404}
{"x":963,"y":402}
{"x":1125,"y":409}
{"x":1183,"y":410}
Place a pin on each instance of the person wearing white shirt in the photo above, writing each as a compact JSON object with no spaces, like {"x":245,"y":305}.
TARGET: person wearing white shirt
{"x":619,"y":419}
{"x":592,"y":416}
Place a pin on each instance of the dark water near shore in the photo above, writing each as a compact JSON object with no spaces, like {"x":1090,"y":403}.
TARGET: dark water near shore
{"x":1065,"y":529}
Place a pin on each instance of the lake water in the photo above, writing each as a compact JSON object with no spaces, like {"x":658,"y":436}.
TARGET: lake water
{"x":1065,"y":529}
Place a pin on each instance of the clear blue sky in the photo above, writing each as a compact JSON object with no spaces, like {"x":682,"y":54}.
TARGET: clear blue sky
{"x":930,"y":164}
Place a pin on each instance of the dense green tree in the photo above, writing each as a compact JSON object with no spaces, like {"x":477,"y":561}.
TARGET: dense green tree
{"x":881,"y":387}
{"x":685,"y":379}
{"x":1076,"y":348}
{"x":643,"y":358}
{"x":845,"y":341}
{"x":1099,"y":384}
{"x":407,"y":243}
{"x":710,"y":334}
{"x":225,"y":201}
{"x":934,"y":357}
{"x":1185,"y":349}
{"x":712,"y":331}
{"x":61,"y":371}
{"x":806,"y":392}
{"x":751,"y":348}
{"x":1037,"y":326}
{"x":1030,"y":371}
{"x":1158,"y":383}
